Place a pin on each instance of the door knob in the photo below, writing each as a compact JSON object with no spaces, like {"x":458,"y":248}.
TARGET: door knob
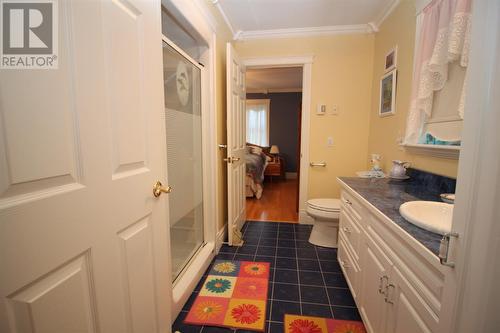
{"x":158,"y":189}
{"x":232,"y":159}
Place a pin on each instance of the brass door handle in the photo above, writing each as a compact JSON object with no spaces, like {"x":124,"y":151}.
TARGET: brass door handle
{"x":158,"y":189}
{"x":232,"y":159}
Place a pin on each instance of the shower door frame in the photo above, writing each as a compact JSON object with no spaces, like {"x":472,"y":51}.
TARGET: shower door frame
{"x":199,"y":66}
{"x":196,"y":266}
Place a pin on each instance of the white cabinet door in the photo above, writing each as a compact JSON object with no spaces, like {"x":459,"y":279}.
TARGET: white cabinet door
{"x":83,"y":242}
{"x":408,"y":313}
{"x":236,"y":142}
{"x":374,"y":277}
{"x":349,"y":267}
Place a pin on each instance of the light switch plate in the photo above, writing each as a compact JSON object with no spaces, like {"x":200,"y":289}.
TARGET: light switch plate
{"x":329,"y":141}
{"x":321,"y":109}
{"x":334,"y":110}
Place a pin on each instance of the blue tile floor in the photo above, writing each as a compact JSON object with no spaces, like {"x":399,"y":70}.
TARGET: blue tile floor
{"x":305,"y":279}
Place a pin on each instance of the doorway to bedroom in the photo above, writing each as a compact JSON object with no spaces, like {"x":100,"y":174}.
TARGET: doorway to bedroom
{"x":273,"y":133}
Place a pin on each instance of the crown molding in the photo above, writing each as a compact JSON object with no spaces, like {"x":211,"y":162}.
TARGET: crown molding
{"x":226,"y":19}
{"x":305,"y":32}
{"x":384,"y":13}
{"x":370,"y":27}
{"x":373,"y":26}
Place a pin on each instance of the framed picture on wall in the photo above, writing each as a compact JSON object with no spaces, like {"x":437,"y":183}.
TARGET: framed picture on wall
{"x":388,"y":94}
{"x":391,"y":59}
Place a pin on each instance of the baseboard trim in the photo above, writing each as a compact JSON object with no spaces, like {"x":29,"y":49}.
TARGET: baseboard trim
{"x":304,"y":218}
{"x":219,"y":239}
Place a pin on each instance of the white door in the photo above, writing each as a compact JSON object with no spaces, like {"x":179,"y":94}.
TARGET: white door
{"x":236,"y":141}
{"x":407,"y":311}
{"x":83,"y":241}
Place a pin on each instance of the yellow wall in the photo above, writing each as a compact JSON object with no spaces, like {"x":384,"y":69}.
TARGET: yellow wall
{"x":223,"y":35}
{"x":341,"y":75}
{"x":398,"y":29}
{"x":346,"y":72}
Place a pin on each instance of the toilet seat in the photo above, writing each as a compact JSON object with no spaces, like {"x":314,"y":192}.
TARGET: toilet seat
{"x":325,"y":204}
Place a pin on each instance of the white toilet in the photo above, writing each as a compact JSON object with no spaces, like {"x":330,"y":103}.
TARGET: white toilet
{"x":325,"y":212}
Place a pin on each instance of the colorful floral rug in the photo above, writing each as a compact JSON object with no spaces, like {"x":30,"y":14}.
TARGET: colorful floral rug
{"x":233,"y":295}
{"x":306,"y":324}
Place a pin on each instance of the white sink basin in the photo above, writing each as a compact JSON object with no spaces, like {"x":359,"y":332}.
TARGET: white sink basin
{"x":429,"y":215}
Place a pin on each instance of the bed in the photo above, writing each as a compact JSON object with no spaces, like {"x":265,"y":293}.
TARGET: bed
{"x":256,"y":162}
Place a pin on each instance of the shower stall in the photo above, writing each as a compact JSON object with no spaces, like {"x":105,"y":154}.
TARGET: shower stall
{"x":184,"y":155}
{"x":187,"y":116}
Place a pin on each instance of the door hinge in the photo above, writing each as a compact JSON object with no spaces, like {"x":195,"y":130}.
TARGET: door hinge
{"x":444,"y":249}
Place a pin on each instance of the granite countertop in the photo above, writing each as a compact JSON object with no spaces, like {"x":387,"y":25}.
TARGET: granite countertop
{"x":387,"y":195}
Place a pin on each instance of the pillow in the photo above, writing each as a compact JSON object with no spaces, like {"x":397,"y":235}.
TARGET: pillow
{"x":256,"y":150}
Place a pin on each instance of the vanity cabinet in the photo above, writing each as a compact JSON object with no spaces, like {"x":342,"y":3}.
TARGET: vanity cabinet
{"x":374,"y":278}
{"x":396,"y":285}
{"x":406,"y":311}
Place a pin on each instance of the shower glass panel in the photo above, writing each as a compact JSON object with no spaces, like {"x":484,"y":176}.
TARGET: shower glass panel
{"x":182,"y":88}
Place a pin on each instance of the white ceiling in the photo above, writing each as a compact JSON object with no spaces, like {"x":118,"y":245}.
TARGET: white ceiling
{"x":274,"y":79}
{"x":264,"y":18}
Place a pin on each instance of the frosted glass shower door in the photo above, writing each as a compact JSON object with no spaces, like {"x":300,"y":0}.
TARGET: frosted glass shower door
{"x":182,"y":84}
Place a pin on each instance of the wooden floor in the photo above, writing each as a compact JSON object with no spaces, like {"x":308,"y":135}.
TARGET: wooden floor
{"x":278,"y":202}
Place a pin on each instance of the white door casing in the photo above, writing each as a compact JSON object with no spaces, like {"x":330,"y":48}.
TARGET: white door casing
{"x":471,"y":294}
{"x":236,"y":142}
{"x":83,"y":242}
{"x":304,"y":61}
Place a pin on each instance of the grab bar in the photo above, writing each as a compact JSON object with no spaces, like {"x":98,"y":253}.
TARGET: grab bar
{"x":318,"y":164}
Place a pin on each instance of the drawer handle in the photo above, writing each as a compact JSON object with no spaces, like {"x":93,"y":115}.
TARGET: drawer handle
{"x":346,"y":230}
{"x":386,"y":298}
{"x":348,"y":202}
{"x":343,"y":264}
{"x":381,"y":284}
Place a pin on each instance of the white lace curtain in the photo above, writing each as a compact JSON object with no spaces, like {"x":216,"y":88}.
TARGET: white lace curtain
{"x":443,"y":38}
{"x":258,"y":122}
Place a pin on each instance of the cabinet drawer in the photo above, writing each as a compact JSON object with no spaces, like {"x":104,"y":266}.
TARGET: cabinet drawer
{"x":273,"y":169}
{"x":351,"y":232}
{"x":353,"y":206}
{"x":349,"y":267}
